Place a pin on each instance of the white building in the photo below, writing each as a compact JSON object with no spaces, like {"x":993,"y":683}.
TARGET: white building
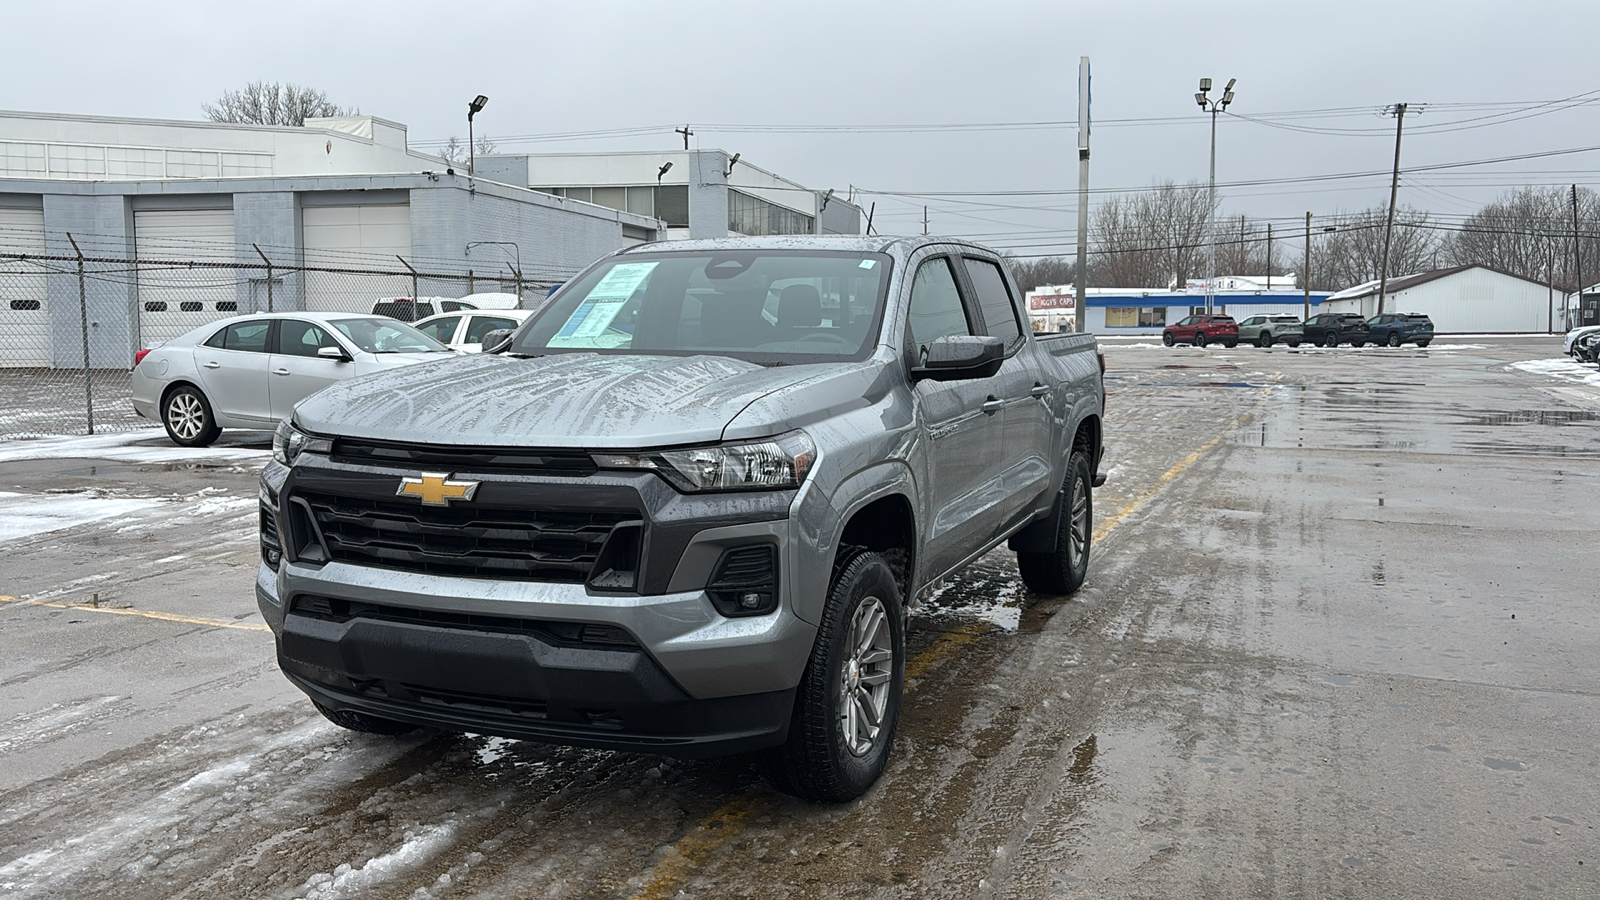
{"x":1111,"y":311}
{"x":1463,"y":299}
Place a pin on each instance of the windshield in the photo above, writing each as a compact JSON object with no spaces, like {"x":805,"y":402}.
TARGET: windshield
{"x":387,"y":336}
{"x":764,"y":306}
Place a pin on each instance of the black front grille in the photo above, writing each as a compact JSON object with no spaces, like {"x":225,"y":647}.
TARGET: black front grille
{"x":464,"y":459}
{"x":467,"y":540}
{"x":564,"y":633}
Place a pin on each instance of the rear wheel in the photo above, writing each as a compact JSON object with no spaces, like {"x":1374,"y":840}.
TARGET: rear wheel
{"x":1063,"y":570}
{"x":1394,"y":338}
{"x":848,"y":702}
{"x":1264,"y":339}
{"x":1230,"y":344}
{"x":1330,"y":340}
{"x":1166,"y":338}
{"x":356,"y":721}
{"x":187,"y":415}
{"x":1422,"y":343}
{"x":1358,"y":343}
{"x":1199,"y":338}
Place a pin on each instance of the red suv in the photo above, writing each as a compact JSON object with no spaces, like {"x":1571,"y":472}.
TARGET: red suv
{"x":1202,"y":330}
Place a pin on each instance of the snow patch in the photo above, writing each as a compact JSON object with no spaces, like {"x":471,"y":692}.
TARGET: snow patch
{"x":147,"y":445}
{"x":25,"y":515}
{"x":493,"y":749}
{"x":419,"y":845}
{"x":1564,"y":369}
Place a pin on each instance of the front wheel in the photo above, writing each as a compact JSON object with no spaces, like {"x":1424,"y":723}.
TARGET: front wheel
{"x":1394,"y":338}
{"x":848,"y":703}
{"x":1062,"y":570}
{"x":1358,"y":343}
{"x":1166,"y":338}
{"x":1293,"y":343}
{"x":187,"y":415}
{"x":1422,"y":343}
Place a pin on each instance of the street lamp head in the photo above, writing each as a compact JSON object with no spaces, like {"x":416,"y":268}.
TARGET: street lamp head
{"x":1205,"y":85}
{"x":1200,"y":99}
{"x":1227,"y":98}
{"x":663,"y":170}
{"x":476,"y":105}
{"x":1231,"y":83}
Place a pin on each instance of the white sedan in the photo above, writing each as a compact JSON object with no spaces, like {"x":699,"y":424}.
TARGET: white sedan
{"x":464,"y":330}
{"x":250,"y":371}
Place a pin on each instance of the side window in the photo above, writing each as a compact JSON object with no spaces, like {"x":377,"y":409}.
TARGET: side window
{"x":441,"y":330}
{"x":999,"y":313}
{"x":250,"y":337}
{"x":1186,"y":320}
{"x":478,"y":326}
{"x":217,"y":340}
{"x":936,"y":309}
{"x":297,"y":338}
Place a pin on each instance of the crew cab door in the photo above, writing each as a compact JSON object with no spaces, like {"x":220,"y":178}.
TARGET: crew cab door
{"x":960,"y":423}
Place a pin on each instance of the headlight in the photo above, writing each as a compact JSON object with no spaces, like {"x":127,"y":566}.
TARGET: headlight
{"x":773,"y":464}
{"x":288,"y":442}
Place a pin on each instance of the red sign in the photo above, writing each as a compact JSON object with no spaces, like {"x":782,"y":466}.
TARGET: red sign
{"x":1052,"y":301}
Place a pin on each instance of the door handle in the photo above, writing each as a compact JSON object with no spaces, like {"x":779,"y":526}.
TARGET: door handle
{"x":1040,"y":390}
{"x":993,"y":405}
{"x":212,"y":365}
{"x":280,"y":371}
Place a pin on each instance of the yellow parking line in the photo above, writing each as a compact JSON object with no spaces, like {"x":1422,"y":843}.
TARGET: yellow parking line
{"x":1143,"y":497}
{"x":142,"y":613}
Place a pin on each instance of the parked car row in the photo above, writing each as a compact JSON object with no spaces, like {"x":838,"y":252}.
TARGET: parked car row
{"x":1321,"y":330}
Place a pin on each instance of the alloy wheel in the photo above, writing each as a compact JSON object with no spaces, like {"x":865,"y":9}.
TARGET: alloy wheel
{"x":865,"y":677}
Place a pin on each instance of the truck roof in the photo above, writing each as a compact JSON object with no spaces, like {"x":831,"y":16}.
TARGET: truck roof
{"x":898,"y":244}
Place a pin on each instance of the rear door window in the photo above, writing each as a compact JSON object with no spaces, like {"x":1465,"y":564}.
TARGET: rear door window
{"x":478,"y":326}
{"x":994,"y":298}
{"x":441,"y":330}
{"x":249,"y":336}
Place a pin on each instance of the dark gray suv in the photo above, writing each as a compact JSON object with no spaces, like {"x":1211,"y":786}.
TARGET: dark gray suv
{"x":1395,"y":329}
{"x":1333,"y":329}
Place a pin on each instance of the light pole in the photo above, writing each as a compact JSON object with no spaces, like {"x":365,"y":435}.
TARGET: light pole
{"x":474,"y":107}
{"x":1213,"y":107}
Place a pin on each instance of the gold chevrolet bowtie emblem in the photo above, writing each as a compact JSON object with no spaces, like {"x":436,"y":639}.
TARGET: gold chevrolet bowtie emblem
{"x":436,"y":488}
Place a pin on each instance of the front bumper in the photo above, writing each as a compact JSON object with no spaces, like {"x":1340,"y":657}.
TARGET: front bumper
{"x":668,"y":673}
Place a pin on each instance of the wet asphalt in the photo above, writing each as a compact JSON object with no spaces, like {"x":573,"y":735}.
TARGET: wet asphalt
{"x":1340,"y":638}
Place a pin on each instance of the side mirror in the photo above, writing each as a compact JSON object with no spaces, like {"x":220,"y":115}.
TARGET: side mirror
{"x":334,"y":353}
{"x":498,"y":340}
{"x":955,"y":357}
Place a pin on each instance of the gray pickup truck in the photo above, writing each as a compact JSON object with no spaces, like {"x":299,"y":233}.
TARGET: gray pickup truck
{"x":685,"y":508}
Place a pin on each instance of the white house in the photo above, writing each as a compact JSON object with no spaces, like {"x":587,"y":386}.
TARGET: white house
{"x":1462,"y":299}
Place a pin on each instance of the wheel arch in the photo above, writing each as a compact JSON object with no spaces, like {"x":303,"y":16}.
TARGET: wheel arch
{"x":886,"y":525}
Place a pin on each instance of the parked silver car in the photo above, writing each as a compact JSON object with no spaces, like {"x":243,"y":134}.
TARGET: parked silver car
{"x":464,"y":331}
{"x":1264,"y":331}
{"x":250,"y":371}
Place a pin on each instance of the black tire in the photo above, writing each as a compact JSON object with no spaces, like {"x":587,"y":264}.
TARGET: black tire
{"x":1358,"y":343}
{"x":1394,"y":338}
{"x":186,"y":413}
{"x":1422,"y":343}
{"x":1330,"y":341}
{"x":1230,"y":344}
{"x":1293,"y":343}
{"x":1063,"y":570}
{"x":1199,"y":338}
{"x":356,"y":721}
{"x":818,"y":761}
{"x":1166,"y":338}
{"x":1264,"y":339}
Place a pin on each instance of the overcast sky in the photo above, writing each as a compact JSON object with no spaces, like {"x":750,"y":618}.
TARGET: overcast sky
{"x":573,"y":67}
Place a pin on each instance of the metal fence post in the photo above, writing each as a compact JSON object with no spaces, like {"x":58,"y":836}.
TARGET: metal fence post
{"x":518,"y":273}
{"x":471,"y":284}
{"x":414,"y":298}
{"x":83,"y":320}
{"x":269,"y":275}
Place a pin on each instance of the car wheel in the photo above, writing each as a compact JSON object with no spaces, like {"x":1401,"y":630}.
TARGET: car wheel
{"x":358,"y":721}
{"x":1231,"y":344}
{"x":1422,"y":343}
{"x":1358,"y":343}
{"x":848,"y":703}
{"x":1264,"y":339}
{"x":1166,"y":338}
{"x":1294,"y":343}
{"x":1063,"y":570}
{"x":1394,"y":338}
{"x":1330,"y":341}
{"x":1199,"y":338}
{"x":187,"y":415}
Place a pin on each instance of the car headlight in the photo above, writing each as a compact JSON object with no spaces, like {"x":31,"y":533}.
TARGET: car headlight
{"x":288,"y":442}
{"x":777,"y":463}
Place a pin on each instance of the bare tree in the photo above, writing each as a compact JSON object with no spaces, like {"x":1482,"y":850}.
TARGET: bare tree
{"x":1152,"y":239}
{"x":1528,"y":232}
{"x":454,"y":150}
{"x":271,"y":103}
{"x":1047,"y":270}
{"x":1353,"y":254}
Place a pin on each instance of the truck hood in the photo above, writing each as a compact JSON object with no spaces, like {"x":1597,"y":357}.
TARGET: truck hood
{"x":564,"y":400}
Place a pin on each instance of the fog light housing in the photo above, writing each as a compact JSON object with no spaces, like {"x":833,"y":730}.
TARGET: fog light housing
{"x":745,"y":581}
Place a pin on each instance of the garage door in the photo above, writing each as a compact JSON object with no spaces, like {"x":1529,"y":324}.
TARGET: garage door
{"x":24,"y":320}
{"x":355,"y":237}
{"x":173,"y":299}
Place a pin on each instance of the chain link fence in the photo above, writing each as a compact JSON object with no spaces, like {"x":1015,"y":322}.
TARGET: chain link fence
{"x":71,"y":326}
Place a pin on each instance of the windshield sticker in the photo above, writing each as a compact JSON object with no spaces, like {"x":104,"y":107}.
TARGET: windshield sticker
{"x":868,"y":263}
{"x":587,"y":325}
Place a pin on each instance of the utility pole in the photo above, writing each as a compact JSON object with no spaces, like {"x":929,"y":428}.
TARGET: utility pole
{"x":1080,"y":313}
{"x":686,"y":135}
{"x":1269,"y":256}
{"x":924,"y":220}
{"x":1550,"y":276}
{"x":1577,"y":251}
{"x":1305,"y":277}
{"x":1399,"y":112}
